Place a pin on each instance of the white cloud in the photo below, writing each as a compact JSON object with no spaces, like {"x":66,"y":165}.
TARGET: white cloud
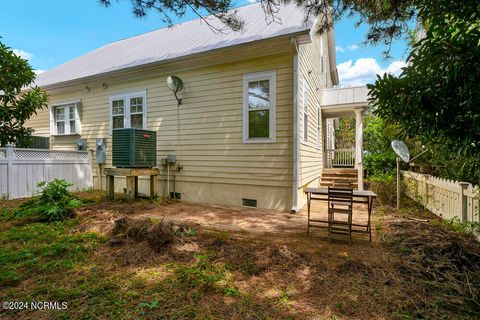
{"x":251,"y":1}
{"x":23,"y":54}
{"x":38,"y":71}
{"x":364,"y":71}
{"x":353,"y":47}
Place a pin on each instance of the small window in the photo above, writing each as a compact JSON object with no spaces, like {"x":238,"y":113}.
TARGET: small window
{"x":65,"y":119}
{"x":305,"y":111}
{"x":259,"y":107}
{"x":128,"y":111}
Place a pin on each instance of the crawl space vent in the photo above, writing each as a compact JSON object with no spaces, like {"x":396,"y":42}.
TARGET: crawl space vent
{"x":249,"y":202}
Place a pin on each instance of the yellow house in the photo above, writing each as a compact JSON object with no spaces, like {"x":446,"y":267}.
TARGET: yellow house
{"x":250,"y":128}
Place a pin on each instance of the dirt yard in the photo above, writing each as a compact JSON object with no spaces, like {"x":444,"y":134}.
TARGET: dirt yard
{"x":151,"y":260}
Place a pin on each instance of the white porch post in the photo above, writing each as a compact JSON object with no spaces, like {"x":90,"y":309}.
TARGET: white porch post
{"x":359,"y":146}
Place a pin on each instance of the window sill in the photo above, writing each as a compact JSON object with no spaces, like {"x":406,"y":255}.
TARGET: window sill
{"x":259,"y":140}
{"x":65,"y":135}
{"x":146,"y":128}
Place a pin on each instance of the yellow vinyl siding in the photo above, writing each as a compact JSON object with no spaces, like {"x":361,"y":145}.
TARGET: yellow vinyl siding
{"x":311,"y":152}
{"x":205,"y":132}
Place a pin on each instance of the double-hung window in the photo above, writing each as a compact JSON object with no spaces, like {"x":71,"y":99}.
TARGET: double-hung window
{"x":259,"y":107}
{"x":128,"y":111}
{"x":65,"y":119}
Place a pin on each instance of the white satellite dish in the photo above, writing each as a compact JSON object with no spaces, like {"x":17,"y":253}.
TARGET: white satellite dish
{"x":401,"y":150}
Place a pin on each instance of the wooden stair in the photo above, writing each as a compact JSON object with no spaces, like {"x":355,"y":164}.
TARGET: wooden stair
{"x":339,"y":174}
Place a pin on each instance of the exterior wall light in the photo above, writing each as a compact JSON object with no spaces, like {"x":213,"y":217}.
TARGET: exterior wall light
{"x":175,"y":84}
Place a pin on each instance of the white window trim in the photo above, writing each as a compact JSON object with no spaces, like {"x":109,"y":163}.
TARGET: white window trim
{"x":126,"y":113}
{"x":305,"y":110}
{"x":53,"y":122}
{"x":259,"y":76}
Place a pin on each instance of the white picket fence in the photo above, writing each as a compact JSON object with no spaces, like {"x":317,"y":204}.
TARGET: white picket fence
{"x":445,"y":198}
{"x":22,"y":169}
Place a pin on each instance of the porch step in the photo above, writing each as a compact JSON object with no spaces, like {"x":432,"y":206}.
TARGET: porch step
{"x":326,"y":184}
{"x":339,"y":174}
{"x":339,"y":170}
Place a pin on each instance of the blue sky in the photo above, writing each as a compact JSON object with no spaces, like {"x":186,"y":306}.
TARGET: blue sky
{"x":51,"y":32}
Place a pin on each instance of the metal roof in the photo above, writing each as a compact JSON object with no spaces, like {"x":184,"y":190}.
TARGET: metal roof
{"x":191,"y":37}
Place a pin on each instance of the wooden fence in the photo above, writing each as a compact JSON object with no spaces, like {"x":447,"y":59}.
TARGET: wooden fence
{"x":22,"y":169}
{"x":446,"y":198}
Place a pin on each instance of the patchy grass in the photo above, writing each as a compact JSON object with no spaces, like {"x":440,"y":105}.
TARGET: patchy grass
{"x":108,"y":272}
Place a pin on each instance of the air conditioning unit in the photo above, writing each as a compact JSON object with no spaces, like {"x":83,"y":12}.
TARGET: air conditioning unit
{"x":134,"y":148}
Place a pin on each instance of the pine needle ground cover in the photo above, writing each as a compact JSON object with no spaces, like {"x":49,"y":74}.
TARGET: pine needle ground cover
{"x":110,"y":262}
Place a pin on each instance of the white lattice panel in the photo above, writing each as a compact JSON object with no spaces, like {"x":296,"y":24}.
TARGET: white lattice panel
{"x":36,"y":154}
{"x":3,"y":153}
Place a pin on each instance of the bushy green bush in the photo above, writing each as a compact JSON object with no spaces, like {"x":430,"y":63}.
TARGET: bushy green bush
{"x":386,"y":189}
{"x":53,"y":203}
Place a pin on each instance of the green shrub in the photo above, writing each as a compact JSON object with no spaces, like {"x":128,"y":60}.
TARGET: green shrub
{"x":53,"y":203}
{"x":464,"y":228}
{"x":385,"y":186}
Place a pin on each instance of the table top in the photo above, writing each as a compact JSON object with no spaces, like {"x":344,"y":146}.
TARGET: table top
{"x":356,"y":193}
{"x":131,"y":172}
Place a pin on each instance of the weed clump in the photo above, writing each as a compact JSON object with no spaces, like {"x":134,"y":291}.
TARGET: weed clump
{"x":156,"y":234}
{"x":53,"y":203}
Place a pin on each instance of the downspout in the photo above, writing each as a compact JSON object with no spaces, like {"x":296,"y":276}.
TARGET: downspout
{"x":296,"y":141}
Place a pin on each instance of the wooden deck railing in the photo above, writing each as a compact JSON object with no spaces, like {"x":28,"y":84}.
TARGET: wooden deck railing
{"x":335,"y":158}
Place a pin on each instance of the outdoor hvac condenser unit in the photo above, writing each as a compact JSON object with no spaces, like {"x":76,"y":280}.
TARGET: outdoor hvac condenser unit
{"x":134,"y":148}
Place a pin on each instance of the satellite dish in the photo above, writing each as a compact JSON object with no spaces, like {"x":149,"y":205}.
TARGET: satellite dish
{"x":174,"y":83}
{"x":401,"y":150}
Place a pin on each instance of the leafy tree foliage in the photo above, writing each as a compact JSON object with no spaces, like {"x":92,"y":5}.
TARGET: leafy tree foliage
{"x":435,"y":99}
{"x":387,"y":18}
{"x":16,"y":106}
{"x":345,"y":134}
{"x":379,"y":158}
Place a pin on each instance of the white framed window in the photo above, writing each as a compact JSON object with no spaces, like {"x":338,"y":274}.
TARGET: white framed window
{"x":65,"y":118}
{"x":128,"y":110}
{"x":319,"y":127}
{"x":259,"y":107}
{"x":305,"y":111}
